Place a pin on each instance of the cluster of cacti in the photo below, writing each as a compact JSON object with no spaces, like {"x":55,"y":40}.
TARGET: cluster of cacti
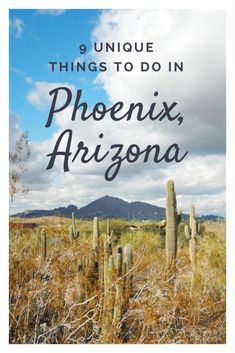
{"x":73,"y":232}
{"x":110,"y":272}
{"x":173,"y":219}
{"x":105,"y":273}
{"x":191,"y":232}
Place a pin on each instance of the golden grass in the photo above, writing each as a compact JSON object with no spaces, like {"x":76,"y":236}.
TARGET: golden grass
{"x":164,"y":308}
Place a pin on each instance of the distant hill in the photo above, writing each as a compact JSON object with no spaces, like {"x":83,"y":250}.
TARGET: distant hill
{"x":113,"y":207}
{"x":65,"y":211}
{"x":108,"y":207}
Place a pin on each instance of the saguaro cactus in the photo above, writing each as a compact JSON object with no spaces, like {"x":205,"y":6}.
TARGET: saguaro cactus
{"x":96,"y":269}
{"x":119,"y":261}
{"x":107,"y":254}
{"x":82,"y":280}
{"x":73,"y":233}
{"x":109,"y":300}
{"x":43,"y":245}
{"x":38,"y":236}
{"x":172,"y":220}
{"x":95,"y":241}
{"x":108,"y":281}
{"x":191,"y":233}
{"x":109,"y":233}
{"x":108,"y":229}
{"x":128,"y":263}
{"x":118,"y":307}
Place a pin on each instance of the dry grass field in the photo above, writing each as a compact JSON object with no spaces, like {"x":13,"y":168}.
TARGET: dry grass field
{"x":181,"y":305}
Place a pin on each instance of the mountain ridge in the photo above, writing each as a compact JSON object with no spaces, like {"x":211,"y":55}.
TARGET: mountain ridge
{"x":108,"y":207}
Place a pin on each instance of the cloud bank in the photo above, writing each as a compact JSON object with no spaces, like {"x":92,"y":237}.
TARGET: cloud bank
{"x":198,"y":39}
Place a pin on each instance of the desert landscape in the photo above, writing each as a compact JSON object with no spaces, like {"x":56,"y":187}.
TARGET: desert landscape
{"x":77,"y":281}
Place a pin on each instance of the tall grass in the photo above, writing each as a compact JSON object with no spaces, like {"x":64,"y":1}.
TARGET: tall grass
{"x":44,"y":305}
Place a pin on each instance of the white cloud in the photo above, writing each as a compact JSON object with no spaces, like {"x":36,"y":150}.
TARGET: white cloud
{"x":51,"y":12}
{"x":49,"y":189}
{"x":17,"y":26}
{"x":197,"y":38}
{"x":39,"y":96}
{"x":28,"y":80}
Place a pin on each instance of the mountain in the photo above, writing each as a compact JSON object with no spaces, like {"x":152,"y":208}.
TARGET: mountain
{"x":105,"y":207}
{"x":65,"y":211}
{"x":113,"y":207}
{"x":109,"y":207}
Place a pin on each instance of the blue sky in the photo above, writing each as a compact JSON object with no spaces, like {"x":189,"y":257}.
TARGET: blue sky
{"x":192,"y":36}
{"x":46,"y":38}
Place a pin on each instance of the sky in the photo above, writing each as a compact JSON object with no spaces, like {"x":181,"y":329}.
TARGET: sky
{"x":194,"y":37}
